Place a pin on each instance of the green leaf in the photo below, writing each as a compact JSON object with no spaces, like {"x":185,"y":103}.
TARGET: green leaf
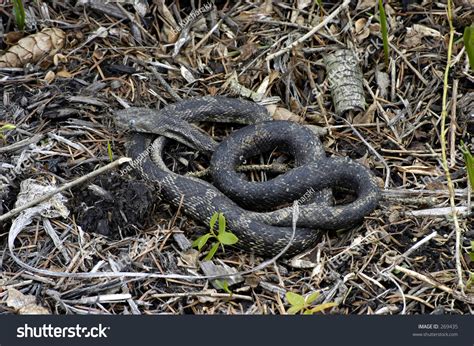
{"x":294,"y":310}
{"x":469,"y":162}
{"x":469,"y":44}
{"x":7,"y":127}
{"x":19,"y":12}
{"x":470,"y":282}
{"x":212,"y":252}
{"x":472,"y":245}
{"x":227,"y":238}
{"x":323,"y":306}
{"x":213,"y":221}
{"x":201,"y":241}
{"x":295,"y":299}
{"x":384,"y":28}
{"x":471,"y":255}
{"x":222,"y":223}
{"x":308,"y":312}
{"x":312,"y":297}
{"x":224,"y":285}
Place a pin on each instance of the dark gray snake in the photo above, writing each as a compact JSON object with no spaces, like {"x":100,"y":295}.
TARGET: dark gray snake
{"x":244,"y":203}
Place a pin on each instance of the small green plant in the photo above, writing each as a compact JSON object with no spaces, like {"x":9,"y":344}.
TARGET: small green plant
{"x":469,"y":162}
{"x":223,"y":285}
{"x":470,"y":282}
{"x":222,"y":237}
{"x":303,"y":304}
{"x":469,"y":44}
{"x":5,"y":128}
{"x":384,"y":28}
{"x":109,"y":151}
{"x":19,"y":12}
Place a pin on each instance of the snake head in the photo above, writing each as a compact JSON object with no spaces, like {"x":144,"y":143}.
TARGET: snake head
{"x":126,"y":119}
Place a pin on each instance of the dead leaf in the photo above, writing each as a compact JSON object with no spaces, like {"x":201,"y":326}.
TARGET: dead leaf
{"x":365,"y":4}
{"x":389,"y":10}
{"x":141,"y":7}
{"x":50,"y":75}
{"x":417,"y":32}
{"x":33,"y":310}
{"x":302,"y":263}
{"x":383,"y":82}
{"x":24,"y":304}
{"x":246,"y":51}
{"x":207,"y":298}
{"x":99,"y":54}
{"x":57,"y":58}
{"x":170,"y":26}
{"x":280,"y":113}
{"x":267,"y":7}
{"x":187,"y":75}
{"x":374,"y":28}
{"x":366,"y":117}
{"x":17,"y":300}
{"x":420,"y":170}
{"x":426,"y":31}
{"x":263,"y":87}
{"x":300,"y":20}
{"x":361,"y":30}
{"x":13,"y":37}
{"x":302,"y":4}
{"x":64,"y":74}
{"x":212,"y":90}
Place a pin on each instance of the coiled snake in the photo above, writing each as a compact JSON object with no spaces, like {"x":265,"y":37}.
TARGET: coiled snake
{"x":244,"y":203}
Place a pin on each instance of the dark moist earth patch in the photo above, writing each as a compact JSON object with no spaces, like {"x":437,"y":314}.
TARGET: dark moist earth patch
{"x":113,"y":206}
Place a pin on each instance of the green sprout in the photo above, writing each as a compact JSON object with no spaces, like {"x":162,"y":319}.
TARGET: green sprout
{"x":222,"y":237}
{"x":19,"y":12}
{"x":109,"y":151}
{"x":303,"y":304}
{"x":384,"y":28}
{"x":469,"y":44}
{"x":5,"y":128}
{"x":469,"y":161}
{"x":470,"y":282}
{"x":223,"y":285}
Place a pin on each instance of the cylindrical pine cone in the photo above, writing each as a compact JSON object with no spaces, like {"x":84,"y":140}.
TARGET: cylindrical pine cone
{"x":345,"y":81}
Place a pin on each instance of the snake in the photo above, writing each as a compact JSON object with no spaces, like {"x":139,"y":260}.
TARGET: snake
{"x":259,"y":213}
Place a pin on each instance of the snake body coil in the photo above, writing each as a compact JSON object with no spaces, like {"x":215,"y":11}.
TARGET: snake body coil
{"x":245,"y":204}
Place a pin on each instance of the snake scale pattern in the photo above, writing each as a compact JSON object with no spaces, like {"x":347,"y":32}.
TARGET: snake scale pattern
{"x":250,"y":208}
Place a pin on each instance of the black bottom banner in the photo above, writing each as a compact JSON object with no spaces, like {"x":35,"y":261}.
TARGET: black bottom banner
{"x":237,"y":330}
